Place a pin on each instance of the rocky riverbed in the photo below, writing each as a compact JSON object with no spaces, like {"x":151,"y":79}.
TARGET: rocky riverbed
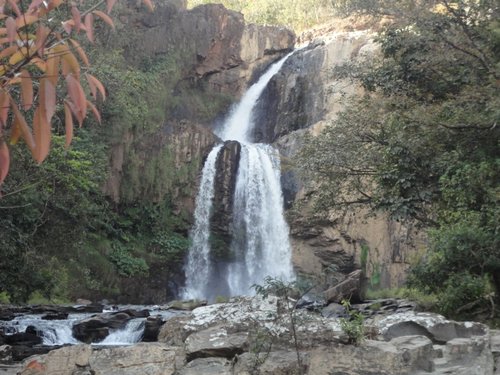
{"x":253,"y":335}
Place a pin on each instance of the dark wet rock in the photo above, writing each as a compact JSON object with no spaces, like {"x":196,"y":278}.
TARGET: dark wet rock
{"x":152,"y":327}
{"x":27,"y":339}
{"x":333,"y":310}
{"x":6,"y":315}
{"x":20,"y":352}
{"x":55,"y":316}
{"x":96,"y":328}
{"x":351,"y":288}
{"x":226,"y":166}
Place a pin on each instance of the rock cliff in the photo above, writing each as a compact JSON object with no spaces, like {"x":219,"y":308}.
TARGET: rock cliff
{"x":301,"y":99}
{"x":256,"y":336}
{"x":213,"y":55}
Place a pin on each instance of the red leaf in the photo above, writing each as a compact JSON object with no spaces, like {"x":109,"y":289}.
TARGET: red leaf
{"x":26,"y":90}
{"x":8,"y":51}
{"x":25,"y":130}
{"x":95,"y":85}
{"x":47,"y":98}
{"x":42,"y":33}
{"x":34,"y":4}
{"x":4,"y":108}
{"x":96,"y":113}
{"x":14,"y":7}
{"x":89,"y":25}
{"x":41,"y":130}
{"x":52,"y":64}
{"x":105,"y":18}
{"x":10,"y":24}
{"x":4,"y":160}
{"x":77,"y":96}
{"x":67,"y":26}
{"x":77,"y":18}
{"x":25,"y":20}
{"x":109,"y":5}
{"x":80,"y":52}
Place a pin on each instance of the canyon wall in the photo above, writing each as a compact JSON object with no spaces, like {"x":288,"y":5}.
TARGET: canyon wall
{"x":303,"y":98}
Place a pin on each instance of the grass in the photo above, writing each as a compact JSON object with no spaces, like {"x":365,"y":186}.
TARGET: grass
{"x":425,"y":301}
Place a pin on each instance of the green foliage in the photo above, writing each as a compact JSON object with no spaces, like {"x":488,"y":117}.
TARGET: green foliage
{"x":298,"y":15}
{"x":4,"y":297}
{"x":422,"y":143}
{"x":425,"y":300}
{"x":353,"y":324}
{"x":43,"y":205}
{"x":460,"y":290}
{"x":127,"y":264}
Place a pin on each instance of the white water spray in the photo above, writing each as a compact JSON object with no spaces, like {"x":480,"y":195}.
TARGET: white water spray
{"x":260,"y":244}
{"x":198,"y":263}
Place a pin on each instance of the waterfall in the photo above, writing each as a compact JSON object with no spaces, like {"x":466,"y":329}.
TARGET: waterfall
{"x":130,"y":334}
{"x":198,"y":263}
{"x":260,"y":245}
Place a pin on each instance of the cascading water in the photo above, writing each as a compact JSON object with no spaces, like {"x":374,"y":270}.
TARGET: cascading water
{"x":260,"y":245}
{"x":198,"y":264}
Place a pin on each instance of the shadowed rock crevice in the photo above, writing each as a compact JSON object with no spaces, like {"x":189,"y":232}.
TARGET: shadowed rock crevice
{"x":225,"y":183}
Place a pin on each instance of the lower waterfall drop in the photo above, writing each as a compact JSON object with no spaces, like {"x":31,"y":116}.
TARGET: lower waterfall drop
{"x":260,"y":232}
{"x":260,"y":246}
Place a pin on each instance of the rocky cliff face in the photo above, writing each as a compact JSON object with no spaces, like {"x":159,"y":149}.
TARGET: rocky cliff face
{"x":225,"y":185}
{"x":213,"y":55}
{"x":303,"y":98}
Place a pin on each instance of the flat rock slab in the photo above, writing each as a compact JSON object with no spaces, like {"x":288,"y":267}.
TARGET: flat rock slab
{"x":215,"y":342}
{"x":207,"y":366}
{"x":273,"y":363}
{"x":139,"y":359}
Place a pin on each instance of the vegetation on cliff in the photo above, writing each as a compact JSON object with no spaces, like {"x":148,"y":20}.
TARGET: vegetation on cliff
{"x":62,"y":236}
{"x":423,"y":142}
{"x":298,"y":15}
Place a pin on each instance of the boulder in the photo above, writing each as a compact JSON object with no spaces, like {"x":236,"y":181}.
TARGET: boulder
{"x":274,"y":363}
{"x":20,"y":352}
{"x":351,"y":288}
{"x":434,"y":326}
{"x":5,"y":354}
{"x":27,"y":338}
{"x":152,"y":328}
{"x":6,"y":315}
{"x":207,"y":366}
{"x":96,"y":328}
{"x":140,"y":359}
{"x":215,"y":342}
{"x":63,"y":361}
{"x":333,"y":310}
{"x":55,"y":316}
{"x":188,"y":305}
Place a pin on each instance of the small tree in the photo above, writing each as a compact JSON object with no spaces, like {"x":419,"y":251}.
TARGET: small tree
{"x":38,"y":46}
{"x":284,"y":291}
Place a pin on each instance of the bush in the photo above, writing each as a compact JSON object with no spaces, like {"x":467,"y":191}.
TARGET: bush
{"x":461,"y":291}
{"x":353,"y":325}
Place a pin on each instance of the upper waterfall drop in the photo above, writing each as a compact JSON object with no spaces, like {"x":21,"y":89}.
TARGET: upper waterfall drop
{"x":260,"y":246}
{"x":239,"y":123}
